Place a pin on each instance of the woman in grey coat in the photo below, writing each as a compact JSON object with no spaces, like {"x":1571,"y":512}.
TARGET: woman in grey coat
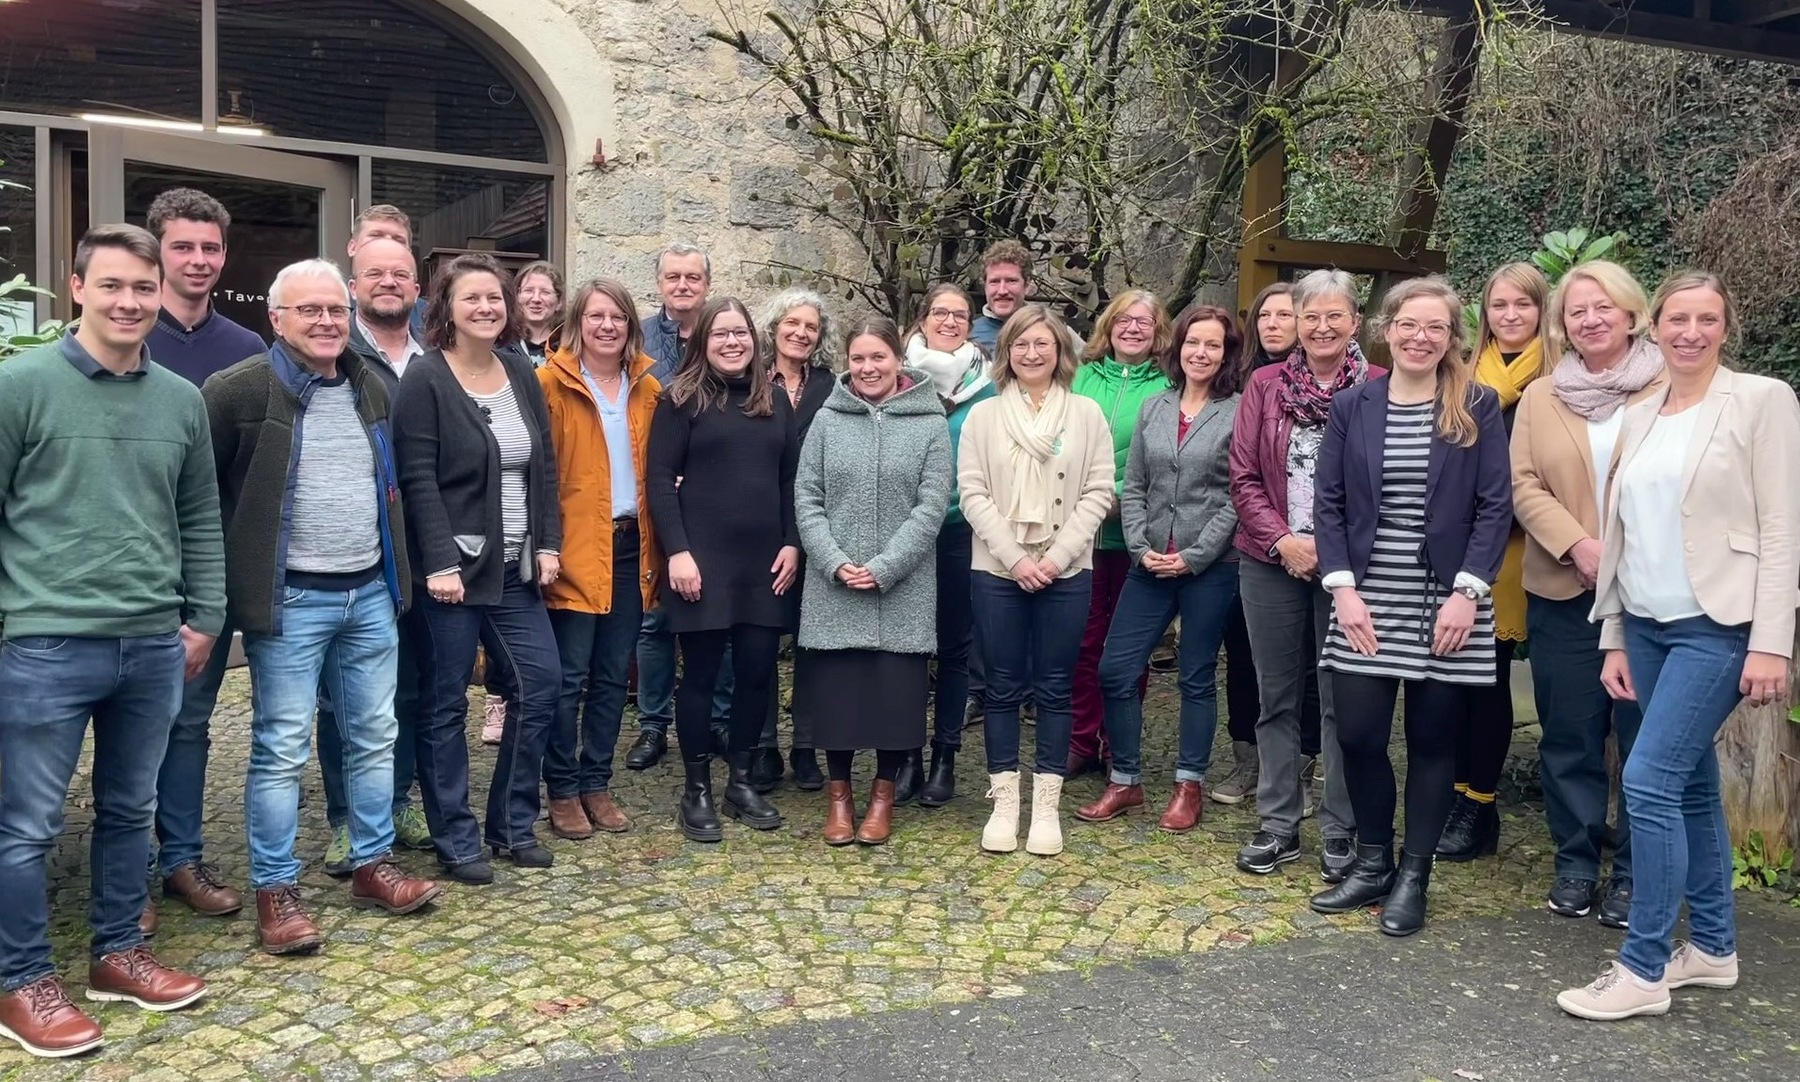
{"x":1179,"y":521}
{"x":873,"y":482}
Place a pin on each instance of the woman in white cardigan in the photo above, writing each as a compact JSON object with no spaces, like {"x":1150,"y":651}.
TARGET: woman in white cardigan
{"x":1696,"y":588}
{"x":1035,"y":470}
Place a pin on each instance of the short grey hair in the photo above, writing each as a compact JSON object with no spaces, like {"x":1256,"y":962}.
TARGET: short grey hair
{"x":306,"y":268}
{"x":682,"y":247}
{"x":776,"y":309}
{"x":1320,"y":284}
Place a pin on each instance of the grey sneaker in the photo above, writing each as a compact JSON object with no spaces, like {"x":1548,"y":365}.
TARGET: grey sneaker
{"x":337,"y":854}
{"x":1689,"y":965}
{"x":1240,"y":784}
{"x":1613,"y":995}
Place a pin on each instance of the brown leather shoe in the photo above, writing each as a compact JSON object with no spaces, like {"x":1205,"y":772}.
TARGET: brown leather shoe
{"x":1114,"y":801}
{"x":567,"y":820}
{"x":198,"y":885}
{"x":1185,"y":806}
{"x":42,"y":1019}
{"x":840,"y":814}
{"x":604,"y":813}
{"x":878,"y":821}
{"x":135,"y":976}
{"x":1080,"y":764}
{"x":282,"y":925}
{"x":382,"y":885}
{"x":148,"y":921}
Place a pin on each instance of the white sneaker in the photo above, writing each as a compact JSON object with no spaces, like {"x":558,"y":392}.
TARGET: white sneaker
{"x":1045,"y":837}
{"x":1616,"y":993}
{"x":1001,"y":835}
{"x":493,"y":720}
{"x":1689,"y":965}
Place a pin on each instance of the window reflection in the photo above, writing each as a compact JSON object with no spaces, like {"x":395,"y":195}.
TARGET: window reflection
{"x":467,"y":208}
{"x":18,"y":225}
{"x":136,"y":59}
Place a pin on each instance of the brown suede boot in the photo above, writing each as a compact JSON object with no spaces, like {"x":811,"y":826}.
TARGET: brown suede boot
{"x":605,"y":813}
{"x":568,"y":820}
{"x":840,"y":814}
{"x":878,"y":821}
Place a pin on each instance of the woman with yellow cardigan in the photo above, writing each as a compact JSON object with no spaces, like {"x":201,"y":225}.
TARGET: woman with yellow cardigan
{"x":601,"y":398}
{"x":1509,"y":354}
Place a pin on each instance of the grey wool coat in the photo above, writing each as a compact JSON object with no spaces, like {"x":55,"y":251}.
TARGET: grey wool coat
{"x":1180,"y":492}
{"x":871,"y":490}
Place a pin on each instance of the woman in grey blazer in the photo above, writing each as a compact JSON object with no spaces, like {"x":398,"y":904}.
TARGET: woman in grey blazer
{"x":1179,"y":521}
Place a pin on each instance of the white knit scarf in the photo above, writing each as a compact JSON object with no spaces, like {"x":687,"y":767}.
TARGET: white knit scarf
{"x":957,"y":376}
{"x":1036,"y":436}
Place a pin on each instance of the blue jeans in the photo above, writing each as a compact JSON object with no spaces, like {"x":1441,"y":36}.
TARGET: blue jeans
{"x":406,"y":713}
{"x":1574,"y":715}
{"x":656,"y":677}
{"x":1686,"y":677}
{"x":181,"y":784}
{"x":1030,"y":642}
{"x":517,"y":629}
{"x":1147,"y":605}
{"x":131,"y":688}
{"x":955,"y":634}
{"x":346,"y":640}
{"x":595,"y":650}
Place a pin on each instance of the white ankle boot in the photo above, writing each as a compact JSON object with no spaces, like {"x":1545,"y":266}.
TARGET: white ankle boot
{"x":1045,"y":839}
{"x":1001,"y":835}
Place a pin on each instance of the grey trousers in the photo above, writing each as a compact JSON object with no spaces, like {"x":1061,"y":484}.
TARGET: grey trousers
{"x":1287,"y":619}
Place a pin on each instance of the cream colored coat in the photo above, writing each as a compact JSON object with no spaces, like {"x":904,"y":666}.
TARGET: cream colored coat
{"x":1740,"y":510}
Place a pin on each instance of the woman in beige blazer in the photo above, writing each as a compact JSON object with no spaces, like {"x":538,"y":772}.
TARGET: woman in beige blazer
{"x":1563,"y":436}
{"x":1697,"y":588}
{"x":1035,"y":471}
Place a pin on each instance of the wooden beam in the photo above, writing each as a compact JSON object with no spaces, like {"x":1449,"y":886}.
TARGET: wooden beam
{"x":1748,"y":42}
{"x":1264,"y":203}
{"x":1355,"y":258}
{"x":1762,"y":12}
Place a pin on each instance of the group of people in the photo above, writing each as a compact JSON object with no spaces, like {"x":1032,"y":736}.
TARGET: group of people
{"x":975,"y":515}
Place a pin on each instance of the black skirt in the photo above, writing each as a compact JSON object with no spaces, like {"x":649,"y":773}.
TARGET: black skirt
{"x":863,"y":699}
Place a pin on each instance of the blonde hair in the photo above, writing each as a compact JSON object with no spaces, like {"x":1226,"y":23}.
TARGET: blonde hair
{"x":1099,"y":344}
{"x":1683,"y":280}
{"x":1523,"y":277}
{"x":1614,"y":281}
{"x":1454,"y":376}
{"x":1027,"y":317}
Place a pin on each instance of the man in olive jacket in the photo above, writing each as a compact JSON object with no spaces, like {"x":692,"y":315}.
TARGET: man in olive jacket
{"x":315,"y":565}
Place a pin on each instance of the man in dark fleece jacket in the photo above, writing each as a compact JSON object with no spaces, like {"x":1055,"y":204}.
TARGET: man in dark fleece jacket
{"x":112,"y":588}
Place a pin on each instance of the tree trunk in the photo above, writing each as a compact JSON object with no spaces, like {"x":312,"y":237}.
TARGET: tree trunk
{"x":1759,"y":771}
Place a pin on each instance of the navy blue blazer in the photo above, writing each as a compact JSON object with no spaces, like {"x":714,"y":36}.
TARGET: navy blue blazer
{"x":1468,"y":491}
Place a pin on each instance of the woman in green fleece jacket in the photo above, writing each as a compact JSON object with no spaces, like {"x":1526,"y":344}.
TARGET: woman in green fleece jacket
{"x":1119,"y":371}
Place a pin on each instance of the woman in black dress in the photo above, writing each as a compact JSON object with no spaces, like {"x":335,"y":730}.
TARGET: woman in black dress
{"x":720,"y":482}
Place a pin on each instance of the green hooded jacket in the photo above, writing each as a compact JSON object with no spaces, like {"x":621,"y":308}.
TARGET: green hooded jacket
{"x":1121,"y":391}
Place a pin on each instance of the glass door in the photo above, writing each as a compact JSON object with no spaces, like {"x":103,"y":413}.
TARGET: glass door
{"x":284,"y":207}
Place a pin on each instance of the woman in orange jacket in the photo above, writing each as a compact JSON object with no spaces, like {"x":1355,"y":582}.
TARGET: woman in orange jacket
{"x":601,"y":397}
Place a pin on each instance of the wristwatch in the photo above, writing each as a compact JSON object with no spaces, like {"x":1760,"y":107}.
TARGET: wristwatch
{"x":1469,"y":592}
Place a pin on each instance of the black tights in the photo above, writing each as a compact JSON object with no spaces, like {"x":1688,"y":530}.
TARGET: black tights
{"x":887,"y":764}
{"x":1485,"y":736}
{"x":753,"y":653}
{"x":1365,"y":721}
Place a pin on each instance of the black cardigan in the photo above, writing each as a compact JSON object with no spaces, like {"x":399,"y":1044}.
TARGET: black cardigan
{"x":450,"y":475}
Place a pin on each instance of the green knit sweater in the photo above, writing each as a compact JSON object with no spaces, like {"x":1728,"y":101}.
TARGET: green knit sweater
{"x":109,"y":506}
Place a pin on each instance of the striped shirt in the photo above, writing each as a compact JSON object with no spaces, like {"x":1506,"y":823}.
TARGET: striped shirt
{"x":502,"y":412}
{"x":335,"y":527}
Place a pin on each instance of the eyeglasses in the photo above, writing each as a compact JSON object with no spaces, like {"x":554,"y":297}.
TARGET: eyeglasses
{"x":1411,"y":328}
{"x":729,"y":333}
{"x":1142,"y":323}
{"x":950,"y":314}
{"x":1330,"y":319}
{"x":376,"y":274}
{"x":313,"y":313}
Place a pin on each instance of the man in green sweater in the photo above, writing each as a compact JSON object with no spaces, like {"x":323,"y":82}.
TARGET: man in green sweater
{"x":112,"y":591}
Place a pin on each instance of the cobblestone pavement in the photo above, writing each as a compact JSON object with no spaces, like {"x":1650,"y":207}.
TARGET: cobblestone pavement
{"x":645,"y":939}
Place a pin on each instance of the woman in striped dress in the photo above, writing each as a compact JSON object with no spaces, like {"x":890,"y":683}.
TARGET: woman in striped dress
{"x":1412,"y":509}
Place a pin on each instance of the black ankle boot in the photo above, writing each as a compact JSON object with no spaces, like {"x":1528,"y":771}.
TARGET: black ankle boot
{"x":910,"y":778}
{"x":1404,"y":912}
{"x":743,"y":802}
{"x":1473,"y":831}
{"x":697,"y":817}
{"x":941,"y":785}
{"x":805,"y":762}
{"x":765,"y":769}
{"x":1369,"y":881}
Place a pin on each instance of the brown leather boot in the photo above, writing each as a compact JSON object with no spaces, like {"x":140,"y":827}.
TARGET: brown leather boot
{"x":382,"y":885}
{"x":199,"y":886}
{"x":135,"y":976}
{"x":1114,"y":801}
{"x":567,"y":820}
{"x":42,"y":1019}
{"x":840,"y":814}
{"x":1185,"y":806}
{"x":282,"y":925}
{"x":878,"y":821}
{"x":148,"y":921}
{"x":604,"y":813}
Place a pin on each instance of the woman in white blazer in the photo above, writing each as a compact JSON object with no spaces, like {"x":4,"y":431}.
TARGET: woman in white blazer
{"x":1697,"y":592}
